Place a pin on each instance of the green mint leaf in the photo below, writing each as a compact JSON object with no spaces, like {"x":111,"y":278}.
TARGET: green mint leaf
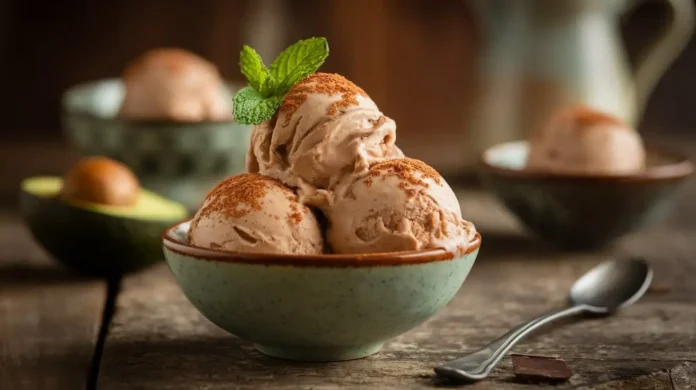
{"x":251,"y":108}
{"x":259,"y":101}
{"x":297,"y":62}
{"x":268,"y":87}
{"x":256,"y":73}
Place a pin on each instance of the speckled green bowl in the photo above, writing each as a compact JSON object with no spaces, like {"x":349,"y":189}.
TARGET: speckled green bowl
{"x":583,"y":211}
{"x":180,"y":160}
{"x":316,"y":308}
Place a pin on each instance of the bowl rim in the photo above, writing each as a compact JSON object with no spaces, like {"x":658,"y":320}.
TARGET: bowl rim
{"x":679,"y":170}
{"x":317,"y":261}
{"x":67,"y":108}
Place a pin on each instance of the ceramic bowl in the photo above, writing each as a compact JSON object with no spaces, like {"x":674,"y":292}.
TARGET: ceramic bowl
{"x":583,"y":212}
{"x":179,"y":160}
{"x":316,"y":308}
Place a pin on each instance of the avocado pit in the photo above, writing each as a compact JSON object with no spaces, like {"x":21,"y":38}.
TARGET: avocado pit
{"x":101,"y":180}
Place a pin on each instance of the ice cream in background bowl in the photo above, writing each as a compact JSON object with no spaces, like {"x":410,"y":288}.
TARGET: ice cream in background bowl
{"x":584,"y":179}
{"x":174,"y":84}
{"x":168,"y":118}
{"x":583,"y":141}
{"x":334,"y":242}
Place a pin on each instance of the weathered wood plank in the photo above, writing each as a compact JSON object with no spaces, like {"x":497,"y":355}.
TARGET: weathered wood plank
{"x":158,"y":340}
{"x":683,"y":377}
{"x":49,"y":318}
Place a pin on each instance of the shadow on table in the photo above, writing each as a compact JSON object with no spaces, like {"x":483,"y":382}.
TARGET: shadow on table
{"x":226,"y":360}
{"x":30,"y":275}
{"x":498,"y":244}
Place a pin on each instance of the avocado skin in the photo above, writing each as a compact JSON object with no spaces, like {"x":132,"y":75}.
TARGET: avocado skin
{"x":91,"y":242}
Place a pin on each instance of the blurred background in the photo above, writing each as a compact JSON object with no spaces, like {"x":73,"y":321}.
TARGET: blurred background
{"x":420,"y":60}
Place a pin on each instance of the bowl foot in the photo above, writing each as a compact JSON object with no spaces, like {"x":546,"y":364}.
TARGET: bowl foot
{"x":319,"y":354}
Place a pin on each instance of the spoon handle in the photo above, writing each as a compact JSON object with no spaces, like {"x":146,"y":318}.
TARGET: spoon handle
{"x":479,"y":364}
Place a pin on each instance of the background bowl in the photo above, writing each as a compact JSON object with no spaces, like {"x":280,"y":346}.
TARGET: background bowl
{"x":316,"y":308}
{"x":179,"y":160}
{"x":582,"y":212}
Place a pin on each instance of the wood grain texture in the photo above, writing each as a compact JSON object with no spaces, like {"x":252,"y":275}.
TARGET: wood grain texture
{"x":158,"y":340}
{"x":683,"y":377}
{"x":49,"y":318}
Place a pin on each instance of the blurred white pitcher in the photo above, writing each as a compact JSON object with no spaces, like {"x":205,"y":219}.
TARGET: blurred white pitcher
{"x":542,"y":54}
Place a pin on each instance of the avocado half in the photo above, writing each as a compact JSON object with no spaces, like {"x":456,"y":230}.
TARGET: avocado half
{"x":96,"y":239}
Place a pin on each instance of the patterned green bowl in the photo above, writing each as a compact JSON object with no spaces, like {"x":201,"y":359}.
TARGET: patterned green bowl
{"x":583,"y":211}
{"x":179,"y":160}
{"x":316,"y":308}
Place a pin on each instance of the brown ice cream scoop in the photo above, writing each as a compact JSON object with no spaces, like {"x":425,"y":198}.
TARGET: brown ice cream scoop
{"x":401,"y":204}
{"x":174,"y":84}
{"x":327,"y":127}
{"x":255,"y":213}
{"x":580,"y":140}
{"x":101,"y":180}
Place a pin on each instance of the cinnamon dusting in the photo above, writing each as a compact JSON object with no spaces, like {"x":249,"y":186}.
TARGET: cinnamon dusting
{"x":295,"y":216}
{"x":584,"y":117}
{"x":170,"y":59}
{"x":412,"y":172}
{"x":239,"y":195}
{"x":322,"y":83}
{"x":579,"y":118}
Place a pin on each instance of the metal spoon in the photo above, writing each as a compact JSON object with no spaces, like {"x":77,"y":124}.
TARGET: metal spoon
{"x":602,"y":290}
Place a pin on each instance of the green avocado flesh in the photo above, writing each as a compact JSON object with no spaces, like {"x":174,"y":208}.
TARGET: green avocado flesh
{"x":148,"y":206}
{"x":97,"y":239}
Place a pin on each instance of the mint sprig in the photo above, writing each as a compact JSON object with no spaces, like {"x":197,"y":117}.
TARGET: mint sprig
{"x":298,"y":61}
{"x":255,"y":71}
{"x":250,"y":107}
{"x":259,"y":101}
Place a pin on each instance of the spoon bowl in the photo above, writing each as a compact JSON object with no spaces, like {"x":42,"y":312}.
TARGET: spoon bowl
{"x":612,"y":285}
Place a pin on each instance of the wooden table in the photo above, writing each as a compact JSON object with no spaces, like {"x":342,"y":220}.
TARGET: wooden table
{"x":58,"y":331}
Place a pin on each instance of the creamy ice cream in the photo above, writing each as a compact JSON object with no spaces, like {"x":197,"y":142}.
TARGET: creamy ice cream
{"x":255,"y":213}
{"x":583,"y":141}
{"x":174,"y":84}
{"x":326,"y":128}
{"x":321,"y":142}
{"x":400,"y":204}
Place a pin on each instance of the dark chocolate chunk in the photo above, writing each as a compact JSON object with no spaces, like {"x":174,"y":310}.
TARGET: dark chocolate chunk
{"x":540,"y":368}
{"x":658,"y":288}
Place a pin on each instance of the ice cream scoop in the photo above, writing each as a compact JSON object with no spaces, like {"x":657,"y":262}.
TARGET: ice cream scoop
{"x":580,"y":140}
{"x":400,"y":204}
{"x":326,"y":127}
{"x":255,"y":213}
{"x":174,"y":84}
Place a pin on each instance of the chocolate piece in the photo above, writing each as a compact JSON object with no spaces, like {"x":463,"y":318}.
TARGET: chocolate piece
{"x":658,"y":288}
{"x":540,"y":368}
